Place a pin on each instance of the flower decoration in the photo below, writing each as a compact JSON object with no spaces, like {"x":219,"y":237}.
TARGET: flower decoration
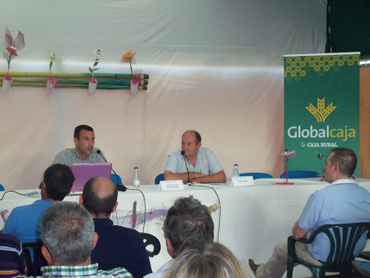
{"x":97,"y":53}
{"x":52,"y":57}
{"x":128,"y":56}
{"x":12,"y":46}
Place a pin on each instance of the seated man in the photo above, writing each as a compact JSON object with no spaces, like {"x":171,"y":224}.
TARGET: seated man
{"x":84,"y":152}
{"x":187,"y":222}
{"x":342,"y":202}
{"x":12,"y":262}
{"x":68,"y":235}
{"x":194,"y":163}
{"x":117,"y":246}
{"x":24,"y":221}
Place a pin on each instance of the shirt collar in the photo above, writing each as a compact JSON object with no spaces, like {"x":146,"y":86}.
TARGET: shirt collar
{"x":342,"y":181}
{"x":68,"y":271}
{"x":76,"y":153}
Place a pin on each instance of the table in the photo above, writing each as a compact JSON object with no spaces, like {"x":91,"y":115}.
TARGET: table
{"x":253,"y":218}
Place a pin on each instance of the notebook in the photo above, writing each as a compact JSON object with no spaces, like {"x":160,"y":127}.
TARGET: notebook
{"x":85,"y":171}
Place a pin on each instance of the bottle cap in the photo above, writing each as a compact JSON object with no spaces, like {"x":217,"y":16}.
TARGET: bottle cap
{"x":235,"y":164}
{"x":136,"y":167}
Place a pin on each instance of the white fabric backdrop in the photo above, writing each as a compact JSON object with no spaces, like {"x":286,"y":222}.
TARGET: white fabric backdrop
{"x":214,"y":66}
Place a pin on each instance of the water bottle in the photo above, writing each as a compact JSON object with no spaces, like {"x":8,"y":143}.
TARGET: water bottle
{"x":136,"y":178}
{"x":236,"y":171}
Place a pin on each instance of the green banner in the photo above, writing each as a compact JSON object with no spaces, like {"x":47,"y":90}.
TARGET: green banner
{"x":321,"y":107}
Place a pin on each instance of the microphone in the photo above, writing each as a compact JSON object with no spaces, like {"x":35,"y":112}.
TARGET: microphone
{"x":120,"y":187}
{"x":187,"y":169}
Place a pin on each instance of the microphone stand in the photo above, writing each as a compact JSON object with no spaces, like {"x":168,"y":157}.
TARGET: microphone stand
{"x":187,"y":169}
{"x":120,"y":187}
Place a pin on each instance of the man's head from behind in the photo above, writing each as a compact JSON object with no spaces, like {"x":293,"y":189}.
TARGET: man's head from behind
{"x":341,"y":163}
{"x":84,"y":139}
{"x":67,"y":231}
{"x":187,"y":222}
{"x":58,"y":179}
{"x":99,"y":197}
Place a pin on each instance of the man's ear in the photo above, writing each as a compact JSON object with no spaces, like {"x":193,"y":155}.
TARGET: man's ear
{"x":46,"y":254}
{"x":170,"y":249}
{"x":115,"y":207}
{"x":96,"y":237}
{"x":75,"y":140}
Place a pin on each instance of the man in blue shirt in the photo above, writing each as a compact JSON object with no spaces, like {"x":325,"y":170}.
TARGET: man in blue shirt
{"x":344,"y":201}
{"x":24,"y":221}
{"x":117,"y":246}
{"x":194,"y":163}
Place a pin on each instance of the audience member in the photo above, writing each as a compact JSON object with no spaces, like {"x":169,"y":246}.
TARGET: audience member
{"x":12,"y":262}
{"x":117,"y":246}
{"x":187,"y":222}
{"x":24,"y":221}
{"x":84,"y":152}
{"x":209,"y":260}
{"x":68,"y":235}
{"x":344,"y":201}
{"x":194,"y":163}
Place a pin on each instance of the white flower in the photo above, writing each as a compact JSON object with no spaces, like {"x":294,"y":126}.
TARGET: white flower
{"x":97,"y":53}
{"x":13,"y":47}
{"x":52,"y":55}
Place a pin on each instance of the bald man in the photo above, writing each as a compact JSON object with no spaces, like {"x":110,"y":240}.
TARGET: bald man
{"x":194,"y":163}
{"x":117,"y":246}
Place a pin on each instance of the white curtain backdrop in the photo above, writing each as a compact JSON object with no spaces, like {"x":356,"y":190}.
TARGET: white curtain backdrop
{"x":215,"y":66}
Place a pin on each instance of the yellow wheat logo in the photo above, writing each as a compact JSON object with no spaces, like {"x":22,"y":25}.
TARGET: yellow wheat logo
{"x":321,"y":112}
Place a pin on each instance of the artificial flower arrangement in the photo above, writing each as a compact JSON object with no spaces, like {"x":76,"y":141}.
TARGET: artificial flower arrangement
{"x":135,"y":78}
{"x":10,"y":52}
{"x":92,"y":81}
{"x":51,"y":82}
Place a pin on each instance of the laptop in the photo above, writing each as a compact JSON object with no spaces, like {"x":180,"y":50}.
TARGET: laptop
{"x":85,"y":171}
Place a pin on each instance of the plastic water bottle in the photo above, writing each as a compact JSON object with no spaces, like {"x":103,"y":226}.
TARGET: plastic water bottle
{"x":136,"y":178}
{"x":236,"y":171}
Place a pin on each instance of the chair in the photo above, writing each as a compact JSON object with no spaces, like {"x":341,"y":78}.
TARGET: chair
{"x":361,"y":268}
{"x":257,"y":175}
{"x":2,"y":187}
{"x":29,"y":250}
{"x":159,"y":178}
{"x":114,"y":178}
{"x":343,"y":239}
{"x":300,"y":174}
{"x":151,"y":240}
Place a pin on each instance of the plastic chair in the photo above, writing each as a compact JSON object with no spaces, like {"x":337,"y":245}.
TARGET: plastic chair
{"x":114,"y":177}
{"x":257,"y":175}
{"x":150,"y":240}
{"x":159,"y":178}
{"x":2,"y":187}
{"x":361,"y":268}
{"x":30,"y":250}
{"x":300,"y":174}
{"x":343,"y":239}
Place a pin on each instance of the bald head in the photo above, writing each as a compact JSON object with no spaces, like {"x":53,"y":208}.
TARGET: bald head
{"x":99,"y":197}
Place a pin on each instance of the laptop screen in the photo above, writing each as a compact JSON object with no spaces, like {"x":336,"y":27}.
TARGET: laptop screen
{"x":85,"y":171}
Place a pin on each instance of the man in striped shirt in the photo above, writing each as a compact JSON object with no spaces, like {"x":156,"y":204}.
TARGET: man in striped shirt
{"x":194,"y":163}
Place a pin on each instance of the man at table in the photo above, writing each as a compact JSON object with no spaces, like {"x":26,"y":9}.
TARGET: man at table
{"x":68,"y":236}
{"x":194,"y":163}
{"x":24,"y":221}
{"x":187,"y":222}
{"x":117,"y":246}
{"x":84,"y":152}
{"x":344,"y":201}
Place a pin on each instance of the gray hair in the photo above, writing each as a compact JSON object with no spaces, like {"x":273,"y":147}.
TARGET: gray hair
{"x":209,"y":260}
{"x":188,"y":222}
{"x":67,"y":231}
